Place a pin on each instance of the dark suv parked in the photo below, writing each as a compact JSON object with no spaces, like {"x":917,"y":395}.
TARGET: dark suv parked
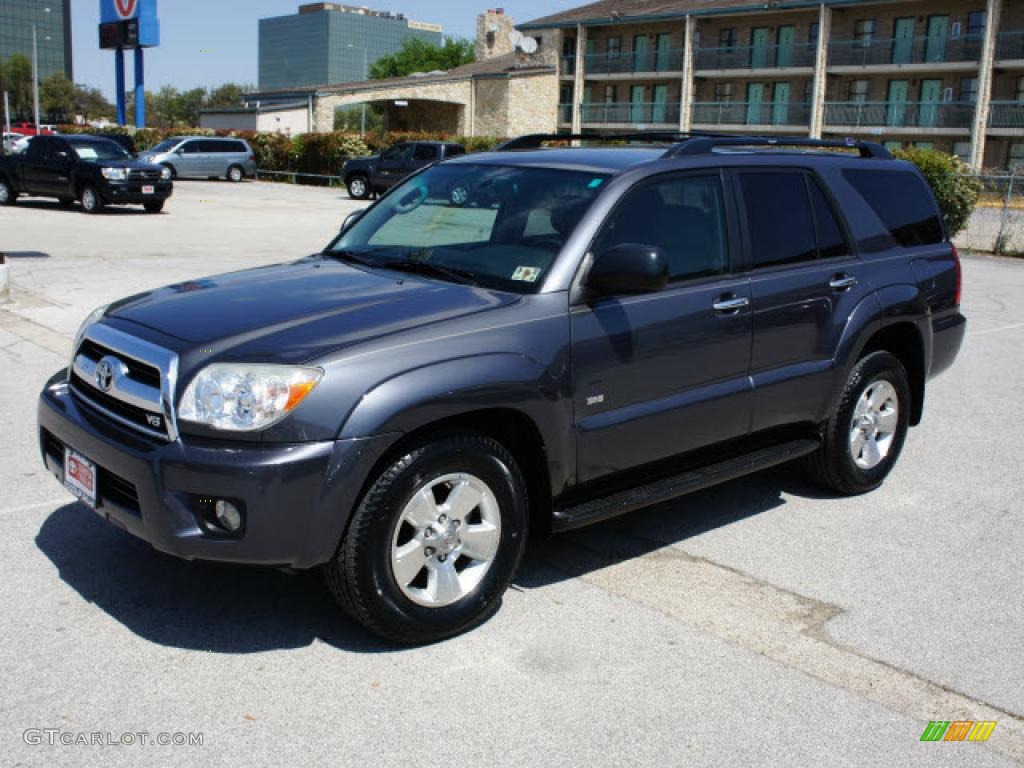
{"x":366,"y":176}
{"x":583,"y":332}
{"x":95,"y":171}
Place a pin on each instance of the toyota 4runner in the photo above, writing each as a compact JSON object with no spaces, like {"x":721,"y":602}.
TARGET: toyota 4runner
{"x":524,"y":341}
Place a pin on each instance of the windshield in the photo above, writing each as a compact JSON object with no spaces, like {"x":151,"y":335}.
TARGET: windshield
{"x":98,"y":150}
{"x":501,"y":226}
{"x":165,"y":146}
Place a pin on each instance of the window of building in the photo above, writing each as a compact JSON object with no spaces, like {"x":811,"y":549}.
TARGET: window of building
{"x":568,"y":46}
{"x":565,"y":94}
{"x":779,"y":217}
{"x":684,"y":216}
{"x":831,"y":239}
{"x":860,"y":90}
{"x":975,"y":23}
{"x":1016,"y":159}
{"x":610,"y":94}
{"x":863,"y":32}
{"x":969,"y":89}
{"x":924,"y":145}
{"x":813,"y":33}
{"x":962,"y":149}
{"x":614,"y":47}
{"x":727,"y":38}
{"x":901,"y":201}
{"x":808,"y":91}
{"x":723,"y":92}
{"x":1020,"y":90}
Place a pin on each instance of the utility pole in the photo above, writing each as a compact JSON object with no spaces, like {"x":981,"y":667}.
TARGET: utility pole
{"x":35,"y":76}
{"x":7,"y":114}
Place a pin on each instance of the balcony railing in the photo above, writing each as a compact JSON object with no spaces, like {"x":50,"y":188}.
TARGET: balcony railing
{"x":565,"y":113}
{"x":751,"y":113}
{"x":755,"y":56}
{"x":899,"y":114}
{"x":1006,"y":114}
{"x":629,"y":62}
{"x":1010,"y":45}
{"x":626,"y":113}
{"x":903,"y":50}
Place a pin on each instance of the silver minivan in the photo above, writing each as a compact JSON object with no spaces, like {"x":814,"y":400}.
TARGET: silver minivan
{"x":204,"y":157}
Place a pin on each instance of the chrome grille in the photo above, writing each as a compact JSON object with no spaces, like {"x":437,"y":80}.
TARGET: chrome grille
{"x":144,"y":174}
{"x":126,"y":379}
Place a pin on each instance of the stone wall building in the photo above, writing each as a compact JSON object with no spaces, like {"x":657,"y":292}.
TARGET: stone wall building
{"x":947,"y":74}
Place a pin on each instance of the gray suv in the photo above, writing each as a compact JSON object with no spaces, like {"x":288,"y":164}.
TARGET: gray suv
{"x":203,"y":157}
{"x":510,"y":344}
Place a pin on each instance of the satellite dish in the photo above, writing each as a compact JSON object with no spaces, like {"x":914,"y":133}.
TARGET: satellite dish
{"x":528,"y":45}
{"x":515,"y":37}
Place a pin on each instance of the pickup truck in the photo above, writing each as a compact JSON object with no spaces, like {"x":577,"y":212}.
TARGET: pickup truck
{"x":93,"y":170}
{"x":366,"y":176}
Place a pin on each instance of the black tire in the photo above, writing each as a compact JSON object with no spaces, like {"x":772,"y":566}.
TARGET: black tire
{"x":155,"y":207}
{"x":834,"y":466}
{"x":174,"y":173}
{"x":361,"y":577}
{"x":90,"y":199}
{"x":236,"y":173}
{"x":7,"y":194}
{"x":358,"y":186}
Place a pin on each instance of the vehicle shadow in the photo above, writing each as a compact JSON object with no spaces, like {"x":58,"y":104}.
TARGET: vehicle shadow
{"x":236,"y":609}
{"x":53,"y":205}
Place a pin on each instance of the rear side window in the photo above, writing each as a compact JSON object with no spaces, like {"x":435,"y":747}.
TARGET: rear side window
{"x":454,"y":150}
{"x":425,"y":153}
{"x":779,"y":217}
{"x":901,"y":201}
{"x":831,"y":240}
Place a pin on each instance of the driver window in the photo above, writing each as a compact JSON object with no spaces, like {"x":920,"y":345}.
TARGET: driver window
{"x":682,"y":215}
{"x":396,"y":152}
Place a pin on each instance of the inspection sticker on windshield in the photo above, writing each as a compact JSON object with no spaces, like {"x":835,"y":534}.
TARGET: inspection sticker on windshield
{"x":526,"y":274}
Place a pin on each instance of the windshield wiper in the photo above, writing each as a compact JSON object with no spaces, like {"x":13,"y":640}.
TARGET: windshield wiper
{"x":352,"y":257}
{"x":430,"y":268}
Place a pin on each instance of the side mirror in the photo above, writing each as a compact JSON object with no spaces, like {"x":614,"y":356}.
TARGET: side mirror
{"x":351,"y":219}
{"x":179,"y":151}
{"x":628,"y":268}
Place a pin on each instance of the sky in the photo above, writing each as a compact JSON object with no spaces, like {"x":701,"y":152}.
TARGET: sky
{"x":210,"y":42}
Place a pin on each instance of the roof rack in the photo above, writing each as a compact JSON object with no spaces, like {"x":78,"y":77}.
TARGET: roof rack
{"x":700,"y":143}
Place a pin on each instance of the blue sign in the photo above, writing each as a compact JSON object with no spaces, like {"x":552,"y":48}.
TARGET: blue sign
{"x":141,"y":11}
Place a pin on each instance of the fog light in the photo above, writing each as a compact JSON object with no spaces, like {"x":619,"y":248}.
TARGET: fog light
{"x":228,"y":516}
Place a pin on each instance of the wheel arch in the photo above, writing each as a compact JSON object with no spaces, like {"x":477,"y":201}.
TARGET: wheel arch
{"x":904,"y":340}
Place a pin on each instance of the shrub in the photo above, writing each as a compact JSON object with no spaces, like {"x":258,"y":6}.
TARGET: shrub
{"x":955,"y":190}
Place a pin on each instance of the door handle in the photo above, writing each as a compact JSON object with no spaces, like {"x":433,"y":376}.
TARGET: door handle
{"x":842,"y":282}
{"x":730,"y":304}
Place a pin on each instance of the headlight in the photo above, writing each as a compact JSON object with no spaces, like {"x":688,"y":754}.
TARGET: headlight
{"x":165,"y":173}
{"x":93,"y":317}
{"x":241,"y":398}
{"x":114,"y":174}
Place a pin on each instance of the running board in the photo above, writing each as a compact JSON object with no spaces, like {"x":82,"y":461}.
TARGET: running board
{"x":679,"y":485}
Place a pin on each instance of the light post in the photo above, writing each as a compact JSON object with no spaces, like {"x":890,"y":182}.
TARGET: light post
{"x":35,"y":72}
{"x":366,"y":76}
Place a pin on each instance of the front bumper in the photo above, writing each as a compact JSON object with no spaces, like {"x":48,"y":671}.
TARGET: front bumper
{"x":130,"y":192}
{"x":297,"y":497}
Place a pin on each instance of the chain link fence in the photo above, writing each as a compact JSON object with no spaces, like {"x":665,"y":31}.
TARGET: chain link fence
{"x":997,"y":224}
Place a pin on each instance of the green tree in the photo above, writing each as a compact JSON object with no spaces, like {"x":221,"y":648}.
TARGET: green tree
{"x":418,"y":56}
{"x":227,"y":95}
{"x":16,"y":79}
{"x":57,"y":98}
{"x":91,"y":104}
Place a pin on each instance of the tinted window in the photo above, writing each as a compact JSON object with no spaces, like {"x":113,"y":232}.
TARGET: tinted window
{"x":37,"y":148}
{"x":684,"y":216}
{"x":454,"y":150}
{"x":902,"y":202}
{"x":778,"y":217}
{"x":192,"y":148}
{"x":425,"y":153}
{"x":214,"y":147}
{"x":831,"y":240}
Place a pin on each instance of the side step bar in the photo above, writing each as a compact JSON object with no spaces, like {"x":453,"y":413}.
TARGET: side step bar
{"x":679,"y":485}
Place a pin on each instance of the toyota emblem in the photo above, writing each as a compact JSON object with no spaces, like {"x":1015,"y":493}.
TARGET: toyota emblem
{"x":104,"y":375}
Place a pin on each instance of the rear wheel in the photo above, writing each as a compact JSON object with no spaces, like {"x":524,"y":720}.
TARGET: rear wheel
{"x":865,"y":434}
{"x":154,"y":207}
{"x":7,"y":194}
{"x":235,"y":173}
{"x":358,"y":186}
{"x":435,"y":542}
{"x":90,"y":199}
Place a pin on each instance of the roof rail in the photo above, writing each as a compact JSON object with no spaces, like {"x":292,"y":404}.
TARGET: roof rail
{"x":702,"y":145}
{"x":699,"y":142}
{"x":536,"y":140}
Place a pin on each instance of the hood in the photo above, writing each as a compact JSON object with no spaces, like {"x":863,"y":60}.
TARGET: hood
{"x":292,"y":313}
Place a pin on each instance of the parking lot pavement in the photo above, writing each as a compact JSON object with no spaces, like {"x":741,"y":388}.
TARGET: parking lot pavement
{"x":757,"y":623}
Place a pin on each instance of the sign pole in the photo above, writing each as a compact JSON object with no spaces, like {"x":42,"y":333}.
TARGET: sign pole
{"x":119,"y":67}
{"x":140,"y":89}
{"x":7,"y":113}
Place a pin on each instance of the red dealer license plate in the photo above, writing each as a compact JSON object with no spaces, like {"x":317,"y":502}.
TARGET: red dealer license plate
{"x":148,"y":189}
{"x":80,"y":476}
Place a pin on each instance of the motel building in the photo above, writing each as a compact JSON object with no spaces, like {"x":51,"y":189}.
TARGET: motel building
{"x":944,"y":74}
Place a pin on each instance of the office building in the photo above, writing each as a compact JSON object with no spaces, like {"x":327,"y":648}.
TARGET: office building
{"x":329,"y":44}
{"x":52,"y":19}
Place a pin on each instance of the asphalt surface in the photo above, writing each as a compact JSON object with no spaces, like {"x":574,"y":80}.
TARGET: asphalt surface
{"x":758,"y":623}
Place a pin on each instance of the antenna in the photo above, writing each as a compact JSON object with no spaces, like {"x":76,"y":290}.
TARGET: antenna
{"x":528,"y":45}
{"x":515,"y":37}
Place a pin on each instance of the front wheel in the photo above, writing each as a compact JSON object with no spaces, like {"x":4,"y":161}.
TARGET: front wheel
{"x":435,"y":541}
{"x":90,"y":199}
{"x":358,"y":187}
{"x":7,"y":193}
{"x":866,"y":432}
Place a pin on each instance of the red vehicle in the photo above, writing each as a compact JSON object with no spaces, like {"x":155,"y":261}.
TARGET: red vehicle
{"x":29,"y":129}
